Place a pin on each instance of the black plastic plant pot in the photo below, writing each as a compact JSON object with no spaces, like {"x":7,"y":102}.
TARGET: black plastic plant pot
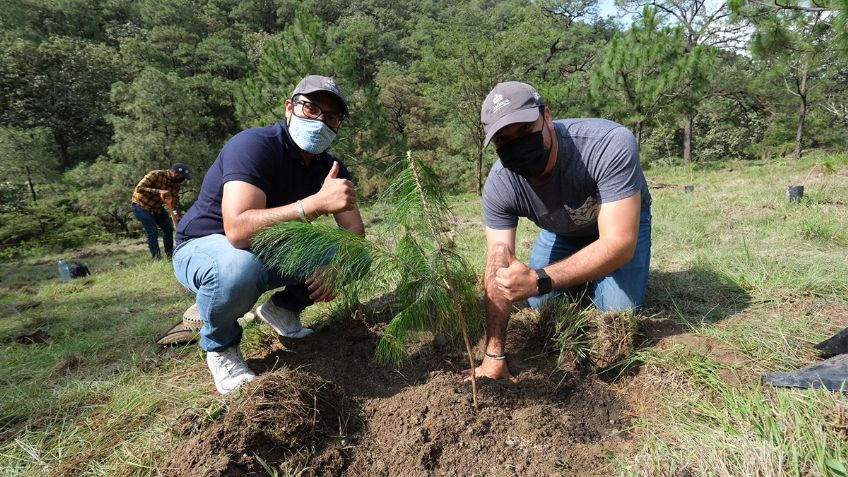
{"x":688,"y":189}
{"x":795,"y":193}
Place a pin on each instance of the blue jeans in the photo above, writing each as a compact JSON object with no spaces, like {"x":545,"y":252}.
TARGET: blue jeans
{"x":227,"y":281}
{"x":623,"y":289}
{"x":150,"y":221}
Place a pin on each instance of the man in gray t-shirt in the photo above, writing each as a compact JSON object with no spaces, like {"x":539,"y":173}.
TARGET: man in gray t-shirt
{"x":580,"y":181}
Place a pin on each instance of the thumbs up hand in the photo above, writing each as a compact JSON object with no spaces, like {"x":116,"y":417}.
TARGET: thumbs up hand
{"x":336,"y":194}
{"x":334,"y":170}
{"x":516,"y":281}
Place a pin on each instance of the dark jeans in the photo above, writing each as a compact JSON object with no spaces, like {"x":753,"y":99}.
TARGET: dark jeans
{"x":150,"y":221}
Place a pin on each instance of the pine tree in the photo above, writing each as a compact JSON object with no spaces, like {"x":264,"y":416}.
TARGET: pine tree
{"x":707,"y":25}
{"x":640,"y":72}
{"x":435,"y":287}
{"x":797,"y":41}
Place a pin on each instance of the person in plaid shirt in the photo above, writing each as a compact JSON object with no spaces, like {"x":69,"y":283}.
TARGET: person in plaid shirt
{"x":156,"y":190}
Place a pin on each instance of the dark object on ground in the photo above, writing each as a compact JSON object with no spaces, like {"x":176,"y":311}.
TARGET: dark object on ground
{"x":78,"y":269}
{"x":795,"y":193}
{"x":831,"y":374}
{"x":836,"y":344}
{"x":36,"y":337}
{"x":688,"y":189}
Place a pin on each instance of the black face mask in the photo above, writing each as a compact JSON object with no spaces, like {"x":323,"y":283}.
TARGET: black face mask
{"x":526,"y":155}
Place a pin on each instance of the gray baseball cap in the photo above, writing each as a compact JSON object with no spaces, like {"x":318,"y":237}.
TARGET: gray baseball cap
{"x":315,"y":83}
{"x":509,"y":103}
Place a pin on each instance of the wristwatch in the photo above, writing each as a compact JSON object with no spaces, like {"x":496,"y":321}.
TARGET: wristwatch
{"x":543,"y":283}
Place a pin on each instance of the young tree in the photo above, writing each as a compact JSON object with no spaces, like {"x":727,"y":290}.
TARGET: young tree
{"x":160,"y":122}
{"x":435,"y":288}
{"x":305,"y":47}
{"x":641,"y":71}
{"x":103,"y":189}
{"x":405,"y":107}
{"x":797,"y":40}
{"x":25,"y":161}
{"x":469,"y":50}
{"x":703,"y":23}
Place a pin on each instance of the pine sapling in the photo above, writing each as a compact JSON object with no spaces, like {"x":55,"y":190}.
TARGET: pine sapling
{"x":435,"y":288}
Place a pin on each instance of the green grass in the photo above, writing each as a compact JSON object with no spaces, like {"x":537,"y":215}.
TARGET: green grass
{"x":734,"y":263}
{"x":737,"y":263}
{"x":713,"y":428}
{"x":100,"y":394}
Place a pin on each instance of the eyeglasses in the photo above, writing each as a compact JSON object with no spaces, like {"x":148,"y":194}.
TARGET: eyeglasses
{"x":311,"y":110}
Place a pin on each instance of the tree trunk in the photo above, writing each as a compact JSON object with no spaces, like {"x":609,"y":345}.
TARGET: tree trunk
{"x":802,"y":116}
{"x":687,"y":138}
{"x":122,"y":222}
{"x":31,"y":186}
{"x":802,"y":108}
{"x":64,"y":156}
{"x":480,"y":168}
{"x":639,"y":134}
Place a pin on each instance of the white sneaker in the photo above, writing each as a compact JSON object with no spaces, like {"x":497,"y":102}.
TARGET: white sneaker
{"x":228,"y":368}
{"x":285,"y":322}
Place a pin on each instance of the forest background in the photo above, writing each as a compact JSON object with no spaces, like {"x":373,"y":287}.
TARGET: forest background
{"x":94,"y":93}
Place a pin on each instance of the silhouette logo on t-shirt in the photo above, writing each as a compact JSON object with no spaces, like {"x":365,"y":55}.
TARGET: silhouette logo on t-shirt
{"x":586,"y":213}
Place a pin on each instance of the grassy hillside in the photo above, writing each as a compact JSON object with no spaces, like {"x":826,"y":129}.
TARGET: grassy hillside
{"x":742,"y":282}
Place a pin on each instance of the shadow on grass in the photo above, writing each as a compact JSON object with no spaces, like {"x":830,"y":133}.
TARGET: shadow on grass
{"x":680,"y":301}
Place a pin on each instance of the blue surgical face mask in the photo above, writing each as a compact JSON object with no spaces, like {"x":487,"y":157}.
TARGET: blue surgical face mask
{"x":311,"y":135}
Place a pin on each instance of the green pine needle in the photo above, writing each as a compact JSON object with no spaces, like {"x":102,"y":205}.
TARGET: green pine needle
{"x":432,"y":284}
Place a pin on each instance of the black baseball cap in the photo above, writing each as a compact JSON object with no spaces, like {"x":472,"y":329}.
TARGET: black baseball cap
{"x":182,"y":169}
{"x":316,"y":83}
{"x":509,"y":103}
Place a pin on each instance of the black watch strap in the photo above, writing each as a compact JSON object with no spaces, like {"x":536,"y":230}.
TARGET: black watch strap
{"x":543,"y":283}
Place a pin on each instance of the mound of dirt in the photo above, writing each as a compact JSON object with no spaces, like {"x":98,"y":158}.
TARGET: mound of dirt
{"x":533,"y":427}
{"x":414,"y":421}
{"x":282,"y":417}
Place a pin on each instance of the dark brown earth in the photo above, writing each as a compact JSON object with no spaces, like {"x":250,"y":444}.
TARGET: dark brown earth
{"x":322,"y":406}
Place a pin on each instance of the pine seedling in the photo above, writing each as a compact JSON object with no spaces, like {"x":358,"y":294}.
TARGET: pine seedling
{"x":435,"y":288}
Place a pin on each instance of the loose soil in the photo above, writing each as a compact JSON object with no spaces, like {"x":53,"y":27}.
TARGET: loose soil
{"x":322,"y":406}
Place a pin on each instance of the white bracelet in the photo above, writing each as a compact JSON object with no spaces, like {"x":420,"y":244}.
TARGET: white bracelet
{"x":301,"y":212}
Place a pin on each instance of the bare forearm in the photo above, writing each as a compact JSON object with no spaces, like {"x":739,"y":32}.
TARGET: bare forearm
{"x":497,"y":319}
{"x":497,"y":305}
{"x":241,"y":229}
{"x":594,"y":261}
{"x":351,"y":220}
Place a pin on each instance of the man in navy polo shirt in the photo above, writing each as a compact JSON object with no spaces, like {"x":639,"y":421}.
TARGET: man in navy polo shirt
{"x":262,"y":176}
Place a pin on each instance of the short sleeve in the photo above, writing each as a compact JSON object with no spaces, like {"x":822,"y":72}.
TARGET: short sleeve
{"x":499,"y":202}
{"x":243,"y":159}
{"x":617,"y":170}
